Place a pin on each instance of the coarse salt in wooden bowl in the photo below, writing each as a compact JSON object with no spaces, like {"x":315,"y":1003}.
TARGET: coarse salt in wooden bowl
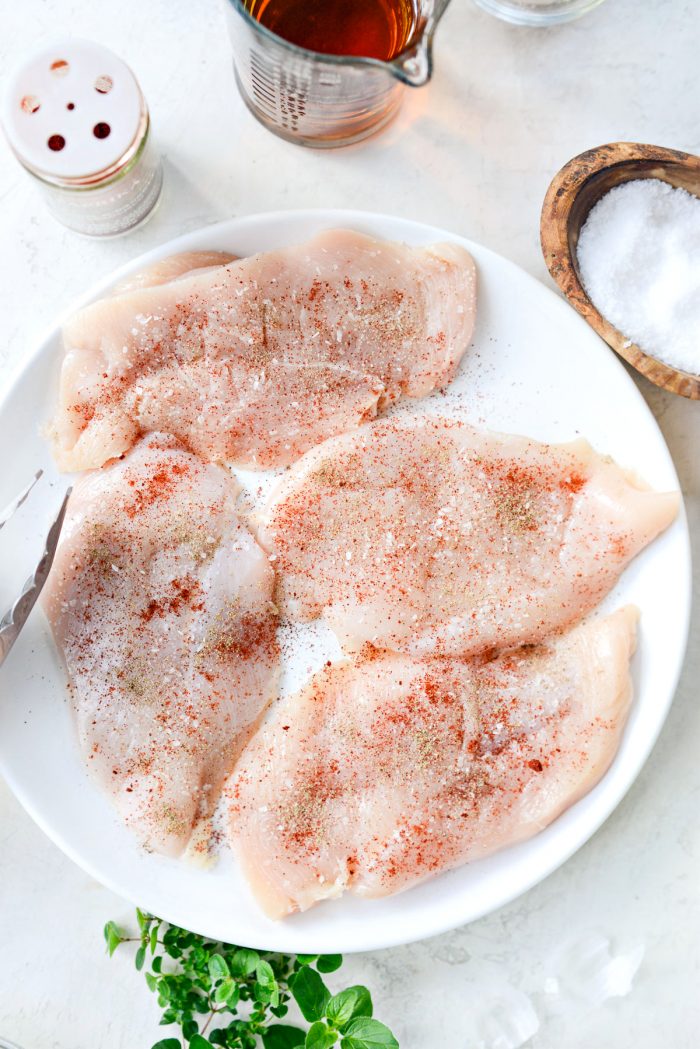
{"x":572,"y":193}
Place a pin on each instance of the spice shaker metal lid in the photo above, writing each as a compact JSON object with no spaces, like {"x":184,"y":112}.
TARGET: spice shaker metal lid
{"x":73,"y":112}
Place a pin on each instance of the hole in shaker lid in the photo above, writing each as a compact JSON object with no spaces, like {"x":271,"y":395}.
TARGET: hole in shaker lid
{"x":56,"y":143}
{"x":101,"y":130}
{"x":30,"y":104}
{"x":60,"y":67}
{"x":70,"y":105}
{"x":104,"y":84}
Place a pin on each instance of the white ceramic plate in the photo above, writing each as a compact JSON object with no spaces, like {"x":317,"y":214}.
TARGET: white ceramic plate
{"x":536,"y":368}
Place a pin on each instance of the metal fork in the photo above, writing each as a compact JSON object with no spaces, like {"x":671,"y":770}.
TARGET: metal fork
{"x":12,"y":622}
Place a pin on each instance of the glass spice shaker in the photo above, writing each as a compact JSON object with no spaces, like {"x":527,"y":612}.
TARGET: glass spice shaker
{"x":76,"y":119}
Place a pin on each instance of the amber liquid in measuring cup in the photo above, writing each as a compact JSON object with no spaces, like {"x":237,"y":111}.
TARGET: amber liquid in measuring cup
{"x":328,"y":73}
{"x":362,"y":28}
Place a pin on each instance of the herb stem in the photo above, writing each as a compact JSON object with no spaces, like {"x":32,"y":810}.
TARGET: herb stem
{"x":209,"y":1020}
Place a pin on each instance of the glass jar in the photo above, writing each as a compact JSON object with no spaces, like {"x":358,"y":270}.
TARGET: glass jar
{"x":537,"y":12}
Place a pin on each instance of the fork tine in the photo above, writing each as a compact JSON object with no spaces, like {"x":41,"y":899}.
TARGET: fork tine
{"x":17,"y":502}
{"x":13,"y":621}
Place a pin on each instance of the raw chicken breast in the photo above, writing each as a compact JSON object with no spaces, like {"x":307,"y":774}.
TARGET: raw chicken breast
{"x":159,"y":600}
{"x":175,"y":267}
{"x":383,"y":772}
{"x":257,"y":361}
{"x":430,"y":537}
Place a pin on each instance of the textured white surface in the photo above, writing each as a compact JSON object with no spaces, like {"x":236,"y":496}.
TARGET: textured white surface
{"x":473,"y":152}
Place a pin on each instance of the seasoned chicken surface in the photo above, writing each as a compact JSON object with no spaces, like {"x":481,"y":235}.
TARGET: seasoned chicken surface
{"x":381,"y":773}
{"x":256,"y":361}
{"x":427,"y":536}
{"x":160,"y":602}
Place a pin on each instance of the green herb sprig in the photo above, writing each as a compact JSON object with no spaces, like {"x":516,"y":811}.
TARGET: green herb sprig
{"x":224,"y":995}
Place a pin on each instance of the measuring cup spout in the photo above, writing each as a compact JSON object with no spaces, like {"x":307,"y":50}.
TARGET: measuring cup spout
{"x":414,"y":66}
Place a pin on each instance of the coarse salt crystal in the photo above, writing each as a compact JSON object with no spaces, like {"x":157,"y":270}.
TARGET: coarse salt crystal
{"x":639,"y":259}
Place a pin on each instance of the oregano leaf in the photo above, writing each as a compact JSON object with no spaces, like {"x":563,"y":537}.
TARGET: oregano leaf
{"x":227,"y":992}
{"x":282,"y":1036}
{"x":366,"y":1033}
{"x":244,"y":962}
{"x":320,"y":1036}
{"x":346,"y":1005}
{"x":113,"y":937}
{"x":266,"y":987}
{"x":218,"y":969}
{"x":310,"y":993}
{"x":197,"y":1042}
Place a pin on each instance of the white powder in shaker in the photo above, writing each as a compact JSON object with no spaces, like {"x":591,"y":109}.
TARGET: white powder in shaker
{"x":639,"y":260}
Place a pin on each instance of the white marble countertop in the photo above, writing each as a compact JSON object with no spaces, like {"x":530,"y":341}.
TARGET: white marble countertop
{"x":473,"y":152}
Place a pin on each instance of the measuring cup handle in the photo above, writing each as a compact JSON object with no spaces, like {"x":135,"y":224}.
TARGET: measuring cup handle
{"x":415,"y":65}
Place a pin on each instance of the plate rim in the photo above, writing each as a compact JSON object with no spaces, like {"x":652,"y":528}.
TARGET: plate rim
{"x":347,"y":218}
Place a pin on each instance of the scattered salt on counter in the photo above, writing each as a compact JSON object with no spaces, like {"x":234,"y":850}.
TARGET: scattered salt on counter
{"x":639,"y":259}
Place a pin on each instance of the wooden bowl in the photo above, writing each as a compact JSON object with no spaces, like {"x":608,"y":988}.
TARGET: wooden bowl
{"x":573,"y":191}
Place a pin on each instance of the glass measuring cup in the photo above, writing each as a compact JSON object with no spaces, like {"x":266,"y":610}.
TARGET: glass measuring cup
{"x":325,"y":100}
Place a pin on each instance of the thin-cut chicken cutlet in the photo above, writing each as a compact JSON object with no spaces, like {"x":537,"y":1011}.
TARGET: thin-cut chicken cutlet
{"x":257,"y":361}
{"x":160,"y":602}
{"x":429,"y":537}
{"x":174,"y":267}
{"x":380,"y":773}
